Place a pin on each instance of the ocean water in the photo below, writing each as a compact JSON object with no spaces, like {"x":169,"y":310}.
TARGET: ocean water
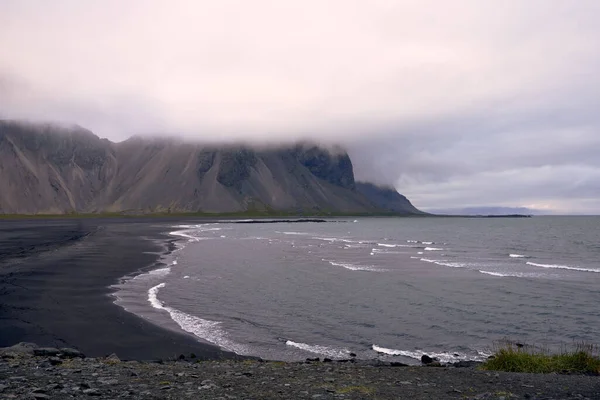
{"x":382,"y":288}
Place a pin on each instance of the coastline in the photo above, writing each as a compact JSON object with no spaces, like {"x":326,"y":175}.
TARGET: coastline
{"x":29,"y":372}
{"x":56,"y":278}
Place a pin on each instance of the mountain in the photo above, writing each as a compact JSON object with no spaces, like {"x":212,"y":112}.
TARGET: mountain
{"x":387,"y":198}
{"x":52,"y":169}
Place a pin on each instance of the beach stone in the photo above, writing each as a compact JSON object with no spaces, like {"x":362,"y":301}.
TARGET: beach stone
{"x":46,"y":352}
{"x":92,"y":392}
{"x":22,"y":348}
{"x":466,"y":364}
{"x":66,"y":352}
{"x":54,"y":361}
{"x":425,"y":359}
{"x":434,"y":364}
{"x":398,"y":364}
{"x":113,"y":358}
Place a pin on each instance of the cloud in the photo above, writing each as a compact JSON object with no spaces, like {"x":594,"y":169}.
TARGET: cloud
{"x":454,"y":96}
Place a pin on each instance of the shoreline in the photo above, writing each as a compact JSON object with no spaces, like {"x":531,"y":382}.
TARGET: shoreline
{"x":61,"y":295}
{"x":46,"y":373}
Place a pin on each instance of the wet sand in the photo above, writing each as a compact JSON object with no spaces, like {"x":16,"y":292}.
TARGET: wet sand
{"x":54,"y":287}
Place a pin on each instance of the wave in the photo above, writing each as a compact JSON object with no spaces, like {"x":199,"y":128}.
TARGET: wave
{"x":444,"y":263}
{"x":517,"y":256}
{"x":427,"y":242}
{"x":355,"y":267}
{"x":432,"y":249}
{"x":317,"y":349}
{"x":202,"y":328}
{"x":153,"y":296}
{"x":494,"y":273}
{"x":160,"y":271}
{"x":444,"y":357}
{"x":512,"y":274}
{"x":555,"y":266}
{"x":293,"y":233}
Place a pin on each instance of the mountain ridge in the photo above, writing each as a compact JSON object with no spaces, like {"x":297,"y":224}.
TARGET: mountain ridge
{"x":48,"y":169}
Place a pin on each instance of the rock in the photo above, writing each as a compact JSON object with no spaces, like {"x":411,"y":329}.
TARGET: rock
{"x":425,"y":359}
{"x":66,"y":352}
{"x":352,"y":355}
{"x":46,"y":352}
{"x":22,"y":348}
{"x":327,"y":360}
{"x":113,"y":358}
{"x":317,"y":359}
{"x":40,"y":396}
{"x":92,"y":392}
{"x":398,"y":364}
{"x":54,"y":361}
{"x":466,"y":364}
{"x":181,"y":357}
{"x":192,"y":355}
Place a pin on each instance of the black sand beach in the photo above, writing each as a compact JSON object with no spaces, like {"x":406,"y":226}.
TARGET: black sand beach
{"x":54,"y":287}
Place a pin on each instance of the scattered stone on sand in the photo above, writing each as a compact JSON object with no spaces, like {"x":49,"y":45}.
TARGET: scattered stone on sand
{"x":26,"y":376}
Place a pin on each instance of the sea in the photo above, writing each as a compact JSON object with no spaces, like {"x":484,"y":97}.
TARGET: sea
{"x":389,"y":289}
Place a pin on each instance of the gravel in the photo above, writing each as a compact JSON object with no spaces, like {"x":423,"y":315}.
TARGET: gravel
{"x":25,"y":375}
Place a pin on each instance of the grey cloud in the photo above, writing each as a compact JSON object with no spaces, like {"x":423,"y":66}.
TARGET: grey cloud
{"x":456,"y":103}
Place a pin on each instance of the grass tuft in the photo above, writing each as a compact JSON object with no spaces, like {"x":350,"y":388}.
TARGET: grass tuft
{"x":509,"y":356}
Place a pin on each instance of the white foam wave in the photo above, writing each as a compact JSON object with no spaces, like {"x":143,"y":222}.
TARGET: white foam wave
{"x":186,"y":277}
{"x":412,"y":241}
{"x":444,"y":357}
{"x":517,"y":256}
{"x":386,"y":245}
{"x":153,"y":296}
{"x":427,"y":242}
{"x":512,"y":274}
{"x":355,"y":267}
{"x":324,"y":350}
{"x":563,"y":267}
{"x":160,"y":271}
{"x":444,"y":263}
{"x":293,"y":233}
{"x":493,"y":273}
{"x":432,"y":249}
{"x":202,"y":328}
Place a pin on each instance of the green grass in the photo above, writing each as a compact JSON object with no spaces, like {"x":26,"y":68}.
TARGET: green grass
{"x":580,"y":358}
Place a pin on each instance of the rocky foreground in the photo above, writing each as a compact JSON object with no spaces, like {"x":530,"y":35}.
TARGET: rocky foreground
{"x":30,"y":372}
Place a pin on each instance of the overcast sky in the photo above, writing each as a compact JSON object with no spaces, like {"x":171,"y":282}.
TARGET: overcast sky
{"x":456,"y":103}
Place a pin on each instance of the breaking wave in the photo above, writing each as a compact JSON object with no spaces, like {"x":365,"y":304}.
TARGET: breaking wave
{"x":444,"y":357}
{"x":554,"y":266}
{"x":324,"y":350}
{"x":444,"y":263}
{"x":202,"y":328}
{"x":355,"y":267}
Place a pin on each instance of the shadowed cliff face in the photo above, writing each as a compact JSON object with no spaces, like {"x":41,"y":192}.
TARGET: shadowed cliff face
{"x":48,"y":169}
